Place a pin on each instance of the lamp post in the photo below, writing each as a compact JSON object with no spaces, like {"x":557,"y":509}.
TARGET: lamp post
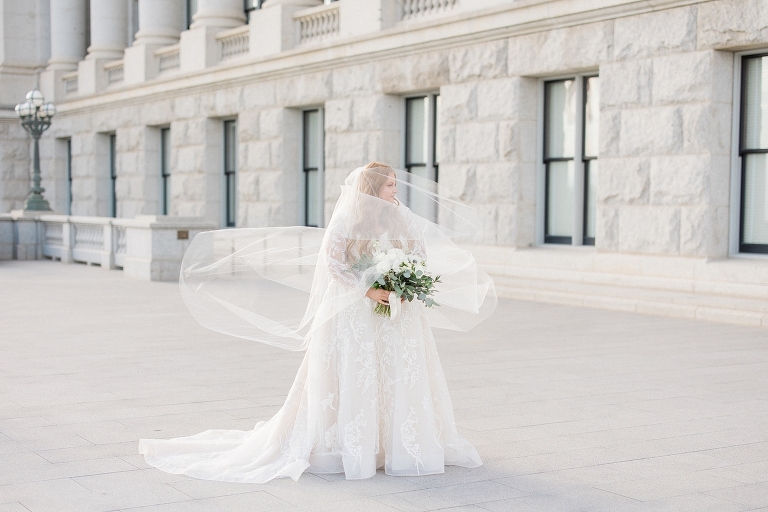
{"x":36,"y":116}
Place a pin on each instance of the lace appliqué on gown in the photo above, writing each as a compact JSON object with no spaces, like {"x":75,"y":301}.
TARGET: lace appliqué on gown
{"x":370,"y":393}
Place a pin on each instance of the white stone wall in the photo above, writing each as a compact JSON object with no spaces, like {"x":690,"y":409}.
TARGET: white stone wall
{"x":665,"y":134}
{"x":15,"y":165}
{"x":666,"y":110}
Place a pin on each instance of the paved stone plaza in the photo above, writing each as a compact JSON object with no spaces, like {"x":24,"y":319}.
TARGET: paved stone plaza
{"x":571,"y":409}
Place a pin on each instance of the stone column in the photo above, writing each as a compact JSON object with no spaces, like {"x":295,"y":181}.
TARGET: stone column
{"x":109,"y":37}
{"x":160,"y":24}
{"x":219,"y":14}
{"x":68,"y":29}
{"x":199,"y":47}
{"x":67,"y":34}
{"x":109,"y":29}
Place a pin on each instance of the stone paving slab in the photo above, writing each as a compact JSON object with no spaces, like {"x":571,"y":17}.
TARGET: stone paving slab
{"x":572,"y":409}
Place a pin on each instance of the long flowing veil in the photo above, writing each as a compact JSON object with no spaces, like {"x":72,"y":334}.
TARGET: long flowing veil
{"x":276,"y":285}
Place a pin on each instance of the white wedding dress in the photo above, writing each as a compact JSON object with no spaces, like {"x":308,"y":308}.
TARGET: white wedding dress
{"x":370,"y":392}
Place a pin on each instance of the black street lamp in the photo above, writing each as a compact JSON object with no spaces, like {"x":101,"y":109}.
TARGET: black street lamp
{"x":36,"y":116}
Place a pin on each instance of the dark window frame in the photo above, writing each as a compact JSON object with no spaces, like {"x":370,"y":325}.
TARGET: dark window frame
{"x":435,"y":120}
{"x":432,"y":97}
{"x":113,"y":173}
{"x":547,"y":160}
{"x":306,"y":168}
{"x":743,"y":153}
{"x":165,"y":171}
{"x":230,"y":174}
{"x":585,"y":160}
{"x":408,"y":102}
{"x":69,"y":176}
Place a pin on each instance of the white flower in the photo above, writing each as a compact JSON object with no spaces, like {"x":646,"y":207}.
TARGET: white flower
{"x":383,"y":267}
{"x":380,"y":256}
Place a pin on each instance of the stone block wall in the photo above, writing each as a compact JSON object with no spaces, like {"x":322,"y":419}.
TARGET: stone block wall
{"x":15,"y":164}
{"x":665,"y":128}
{"x":666,"y":110}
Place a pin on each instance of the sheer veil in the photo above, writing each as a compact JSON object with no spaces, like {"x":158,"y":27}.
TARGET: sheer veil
{"x":276,"y":285}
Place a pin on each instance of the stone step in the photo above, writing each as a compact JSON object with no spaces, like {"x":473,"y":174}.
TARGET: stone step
{"x":609,"y":291}
{"x":684,"y":285}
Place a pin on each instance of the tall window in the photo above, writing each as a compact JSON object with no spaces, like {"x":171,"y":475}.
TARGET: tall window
{"x":753,"y":151}
{"x":421,"y":144}
{"x":165,"y":170}
{"x":230,"y":172}
{"x":313,"y":167}
{"x":113,"y":175}
{"x":571,"y":127}
{"x":69,"y":176}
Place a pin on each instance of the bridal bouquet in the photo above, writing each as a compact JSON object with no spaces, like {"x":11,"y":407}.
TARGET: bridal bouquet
{"x":405,"y":275}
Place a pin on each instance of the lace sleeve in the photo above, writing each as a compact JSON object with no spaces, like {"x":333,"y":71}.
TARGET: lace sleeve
{"x":414,"y":234}
{"x":420,"y":249}
{"x":336,"y":261}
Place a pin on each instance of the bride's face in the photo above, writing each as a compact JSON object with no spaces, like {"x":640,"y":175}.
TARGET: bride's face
{"x":388,"y":190}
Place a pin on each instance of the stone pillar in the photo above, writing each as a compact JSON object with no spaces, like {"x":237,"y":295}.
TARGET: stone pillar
{"x":160,"y":24}
{"x":67,"y":34}
{"x":109,"y":37}
{"x":68,"y":29}
{"x":199,"y":48}
{"x":109,"y":29}
{"x":219,"y":14}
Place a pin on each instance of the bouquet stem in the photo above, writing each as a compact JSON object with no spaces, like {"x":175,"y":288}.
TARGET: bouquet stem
{"x":383,"y":310}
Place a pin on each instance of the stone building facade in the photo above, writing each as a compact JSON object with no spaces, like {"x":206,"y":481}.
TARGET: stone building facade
{"x":613,"y":148}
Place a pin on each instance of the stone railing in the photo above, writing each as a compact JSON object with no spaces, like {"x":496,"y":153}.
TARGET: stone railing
{"x":234,"y":42}
{"x":410,"y":9}
{"x":317,"y":23}
{"x":168,"y":57}
{"x":114,"y":71}
{"x":70,"y":83}
{"x":148,"y":247}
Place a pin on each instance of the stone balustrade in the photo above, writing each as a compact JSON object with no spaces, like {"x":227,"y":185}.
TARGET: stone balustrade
{"x":317,"y":24}
{"x":168,"y":58}
{"x":70,"y":83}
{"x":234,"y":43}
{"x":148,"y":247}
{"x":115,"y":72}
{"x":410,"y":9}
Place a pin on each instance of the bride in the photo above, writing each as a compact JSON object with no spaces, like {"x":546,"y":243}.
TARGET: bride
{"x":370,"y":392}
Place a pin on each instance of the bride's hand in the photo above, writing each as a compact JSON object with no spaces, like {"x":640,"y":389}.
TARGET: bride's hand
{"x":378,"y":295}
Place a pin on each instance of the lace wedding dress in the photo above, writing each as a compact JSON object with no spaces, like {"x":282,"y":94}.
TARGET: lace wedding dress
{"x":370,"y":392}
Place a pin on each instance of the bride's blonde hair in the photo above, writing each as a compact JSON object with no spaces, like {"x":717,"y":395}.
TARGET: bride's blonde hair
{"x":372,"y":178}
